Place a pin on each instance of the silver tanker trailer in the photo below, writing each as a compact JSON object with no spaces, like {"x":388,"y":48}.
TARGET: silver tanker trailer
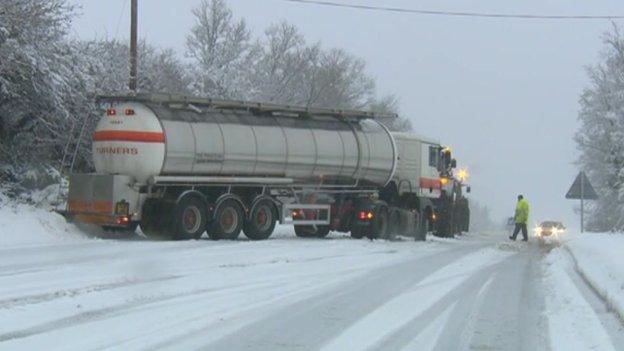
{"x":181,"y":166}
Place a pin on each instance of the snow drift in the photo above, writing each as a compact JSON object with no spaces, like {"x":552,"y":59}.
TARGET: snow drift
{"x":22,"y":225}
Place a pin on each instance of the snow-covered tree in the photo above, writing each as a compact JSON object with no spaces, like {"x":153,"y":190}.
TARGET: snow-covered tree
{"x":222,"y":50}
{"x":159,"y":70}
{"x":389,"y":104}
{"x":40,"y":83}
{"x":48,"y":85}
{"x":279,"y":67}
{"x":283,"y":59}
{"x":600,"y":138}
{"x":339,"y":80}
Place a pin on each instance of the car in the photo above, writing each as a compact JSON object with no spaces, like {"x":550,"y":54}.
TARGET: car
{"x":548,"y":228}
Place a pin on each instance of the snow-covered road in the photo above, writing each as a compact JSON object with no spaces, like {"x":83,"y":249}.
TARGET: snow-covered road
{"x":475,"y":293}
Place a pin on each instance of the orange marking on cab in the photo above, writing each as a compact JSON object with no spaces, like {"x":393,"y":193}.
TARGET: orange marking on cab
{"x":428,"y":183}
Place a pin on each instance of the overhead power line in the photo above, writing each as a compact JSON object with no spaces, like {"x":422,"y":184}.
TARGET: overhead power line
{"x":458,"y":14}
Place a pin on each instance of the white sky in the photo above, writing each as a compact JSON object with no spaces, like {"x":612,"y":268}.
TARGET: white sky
{"x":503,"y":93}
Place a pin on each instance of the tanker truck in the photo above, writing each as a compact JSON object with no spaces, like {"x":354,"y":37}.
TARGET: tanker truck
{"x":183,"y":166}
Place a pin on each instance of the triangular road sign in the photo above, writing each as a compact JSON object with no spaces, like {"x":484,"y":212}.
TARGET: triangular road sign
{"x":581,"y":189}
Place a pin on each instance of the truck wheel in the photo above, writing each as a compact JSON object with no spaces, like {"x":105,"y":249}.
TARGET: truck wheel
{"x":379,"y":228}
{"x":395,"y":224}
{"x":420,"y":232}
{"x":311,"y":231}
{"x":357,"y":233}
{"x":228,"y":221}
{"x":190,"y":219}
{"x":261,"y":222}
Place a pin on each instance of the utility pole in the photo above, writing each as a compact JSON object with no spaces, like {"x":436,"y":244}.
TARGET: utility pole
{"x":133,"y":45}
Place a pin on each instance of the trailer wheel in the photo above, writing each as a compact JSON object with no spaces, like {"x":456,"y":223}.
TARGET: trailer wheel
{"x":190,"y":219}
{"x":228,"y":221}
{"x":379,"y":227}
{"x":311,"y":231}
{"x":261,"y":221}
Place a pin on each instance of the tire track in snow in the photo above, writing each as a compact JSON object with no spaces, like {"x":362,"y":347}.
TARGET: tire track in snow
{"x":470,"y":310}
{"x":51,"y":262}
{"x":407,"y":315}
{"x":312,"y":322}
{"x":128,"y":307}
{"x":46,"y":297}
{"x":54,"y":259}
{"x":463,"y":307}
{"x":513,"y":317}
{"x":429,"y":337}
{"x":294,"y":260}
{"x":454,"y":304}
{"x":141,"y":304}
{"x":496,"y":308}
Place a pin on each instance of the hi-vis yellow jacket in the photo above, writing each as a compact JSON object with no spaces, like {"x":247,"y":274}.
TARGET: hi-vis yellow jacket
{"x":522,"y":211}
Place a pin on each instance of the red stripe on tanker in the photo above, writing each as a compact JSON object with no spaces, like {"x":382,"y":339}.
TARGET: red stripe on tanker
{"x":126,"y":135}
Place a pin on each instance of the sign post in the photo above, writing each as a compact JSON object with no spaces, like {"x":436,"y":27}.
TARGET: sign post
{"x":582,"y":189}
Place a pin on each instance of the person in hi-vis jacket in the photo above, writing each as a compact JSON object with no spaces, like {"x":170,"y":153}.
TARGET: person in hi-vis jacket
{"x":521,"y":218}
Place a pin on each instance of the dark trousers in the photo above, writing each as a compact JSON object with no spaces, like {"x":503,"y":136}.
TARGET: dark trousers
{"x":523,"y":227}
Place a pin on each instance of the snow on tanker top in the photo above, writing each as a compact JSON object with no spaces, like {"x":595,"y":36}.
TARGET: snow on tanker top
{"x":148,"y":139}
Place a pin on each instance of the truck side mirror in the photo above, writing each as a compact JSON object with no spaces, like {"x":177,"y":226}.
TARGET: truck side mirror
{"x":453,"y":163}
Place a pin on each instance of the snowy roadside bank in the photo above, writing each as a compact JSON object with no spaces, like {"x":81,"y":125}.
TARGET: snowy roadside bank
{"x":22,"y":225}
{"x":600,"y":261}
{"x":572,"y":322}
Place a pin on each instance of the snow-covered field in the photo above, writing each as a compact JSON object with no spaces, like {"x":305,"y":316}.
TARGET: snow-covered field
{"x":63,"y":290}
